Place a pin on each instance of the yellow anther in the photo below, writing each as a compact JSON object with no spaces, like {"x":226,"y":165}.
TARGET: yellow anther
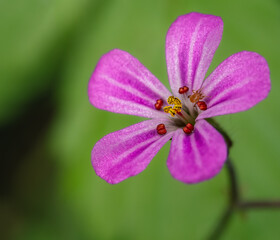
{"x":177,"y":106}
{"x":177,"y":102}
{"x":170,"y":100}
{"x":173,"y":100}
{"x":172,"y":112}
{"x":167,"y":109}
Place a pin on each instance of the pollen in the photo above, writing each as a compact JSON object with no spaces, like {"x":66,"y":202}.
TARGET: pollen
{"x":176,"y":108}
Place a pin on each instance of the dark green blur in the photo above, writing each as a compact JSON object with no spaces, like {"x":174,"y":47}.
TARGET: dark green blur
{"x":48,"y":50}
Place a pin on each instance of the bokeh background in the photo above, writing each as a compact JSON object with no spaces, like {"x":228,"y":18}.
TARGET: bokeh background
{"x":48,"y":50}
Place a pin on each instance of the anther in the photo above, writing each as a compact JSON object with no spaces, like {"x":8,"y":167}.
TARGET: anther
{"x":158,"y":104}
{"x":202,"y":105}
{"x":187,"y":131}
{"x":177,"y":106}
{"x":186,"y":89}
{"x":161,"y":130}
{"x":183,"y":89}
{"x":188,"y":128}
{"x":160,"y":101}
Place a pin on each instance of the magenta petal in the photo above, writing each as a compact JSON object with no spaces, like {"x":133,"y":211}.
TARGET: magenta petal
{"x":199,"y":156}
{"x":237,"y":84}
{"x":120,"y":83}
{"x":127,"y":152}
{"x":191,"y":42}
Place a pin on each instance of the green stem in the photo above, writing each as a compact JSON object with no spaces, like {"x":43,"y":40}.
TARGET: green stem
{"x":235,"y":202}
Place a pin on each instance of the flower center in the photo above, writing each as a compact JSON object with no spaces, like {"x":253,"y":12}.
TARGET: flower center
{"x":183,"y":115}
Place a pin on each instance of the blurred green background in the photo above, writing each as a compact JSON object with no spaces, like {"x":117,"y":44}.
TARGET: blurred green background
{"x":49,"y":190}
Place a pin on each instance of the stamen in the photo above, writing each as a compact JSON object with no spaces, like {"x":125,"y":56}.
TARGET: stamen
{"x":161,"y":130}
{"x":187,"y":116}
{"x":160,"y":101}
{"x":173,"y":100}
{"x":183,"y":89}
{"x":202,"y":105}
{"x":182,"y":116}
{"x":177,"y":106}
{"x":158,"y":104}
{"x":167,"y":109}
{"x":188,"y":128}
{"x":170,"y":110}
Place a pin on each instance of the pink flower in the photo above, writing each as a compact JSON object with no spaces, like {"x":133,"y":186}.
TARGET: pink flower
{"x":121,"y":84}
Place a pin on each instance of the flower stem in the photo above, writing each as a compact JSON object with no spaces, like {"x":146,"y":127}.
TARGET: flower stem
{"x":235,"y":201}
{"x":234,"y":197}
{"x":234,"y":193}
{"x":222,"y":224}
{"x":259,"y":204}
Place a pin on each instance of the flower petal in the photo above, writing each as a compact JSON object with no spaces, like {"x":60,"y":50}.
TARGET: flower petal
{"x":191,"y":42}
{"x":120,"y":83}
{"x":199,"y":156}
{"x":127,"y":152}
{"x":237,"y":84}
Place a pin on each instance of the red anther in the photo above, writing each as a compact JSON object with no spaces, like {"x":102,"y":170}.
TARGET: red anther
{"x":160,"y":101}
{"x":183,"y":89}
{"x":202,"y":105}
{"x":186,"y":89}
{"x":161,"y":129}
{"x":160,"y":126}
{"x":187,"y":131}
{"x":190,"y":126}
{"x":158,"y":106}
{"x":203,"y":108}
